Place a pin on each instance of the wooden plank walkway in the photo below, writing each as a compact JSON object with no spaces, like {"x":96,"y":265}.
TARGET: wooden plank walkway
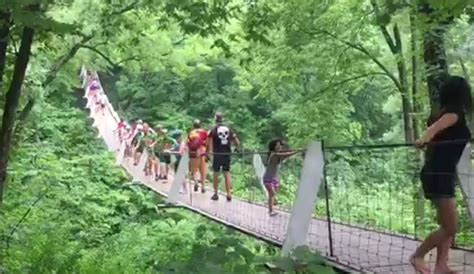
{"x":360,"y":249}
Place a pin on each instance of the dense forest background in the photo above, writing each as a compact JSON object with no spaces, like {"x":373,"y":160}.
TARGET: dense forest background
{"x":342,"y":71}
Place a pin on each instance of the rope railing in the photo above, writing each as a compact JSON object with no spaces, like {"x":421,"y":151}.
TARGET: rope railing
{"x":358,"y":221}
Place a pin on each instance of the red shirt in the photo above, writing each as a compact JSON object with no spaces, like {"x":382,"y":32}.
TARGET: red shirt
{"x":201,"y":134}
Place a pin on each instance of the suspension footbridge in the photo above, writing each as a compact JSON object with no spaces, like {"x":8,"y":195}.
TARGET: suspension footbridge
{"x":353,"y":247}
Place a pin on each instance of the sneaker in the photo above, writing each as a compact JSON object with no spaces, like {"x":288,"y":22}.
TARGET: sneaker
{"x":229,"y":198}
{"x":196,"y":187}
{"x":215,"y":197}
{"x":165,"y":177}
{"x":157,"y":178}
{"x":203,"y":190}
{"x":273,"y":214}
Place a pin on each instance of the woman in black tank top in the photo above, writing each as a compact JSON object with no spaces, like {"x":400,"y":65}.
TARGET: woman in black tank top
{"x":445,"y":139}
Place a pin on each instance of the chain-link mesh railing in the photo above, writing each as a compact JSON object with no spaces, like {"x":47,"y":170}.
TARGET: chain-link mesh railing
{"x":377,"y":211}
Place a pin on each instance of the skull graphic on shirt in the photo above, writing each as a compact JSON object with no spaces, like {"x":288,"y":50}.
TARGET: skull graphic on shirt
{"x":223,"y":134}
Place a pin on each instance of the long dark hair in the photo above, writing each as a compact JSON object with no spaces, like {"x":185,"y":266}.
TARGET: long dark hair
{"x":455,"y":92}
{"x":272,"y":146}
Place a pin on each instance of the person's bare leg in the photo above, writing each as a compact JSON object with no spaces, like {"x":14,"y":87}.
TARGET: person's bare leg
{"x":216,"y":182}
{"x":271,"y":199}
{"x":194,"y":168}
{"x":228,"y":183}
{"x":448,"y":219}
{"x":148,"y":167}
{"x":203,"y":170}
{"x":138,"y":155}
{"x":442,"y":257}
{"x":151,"y":168}
{"x":156,"y":166}
{"x":162,"y":171}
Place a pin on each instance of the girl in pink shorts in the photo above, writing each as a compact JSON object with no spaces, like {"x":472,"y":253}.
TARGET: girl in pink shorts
{"x":270,"y":177}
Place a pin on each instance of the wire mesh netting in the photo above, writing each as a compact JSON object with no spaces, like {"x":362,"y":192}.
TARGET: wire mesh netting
{"x":377,"y":210}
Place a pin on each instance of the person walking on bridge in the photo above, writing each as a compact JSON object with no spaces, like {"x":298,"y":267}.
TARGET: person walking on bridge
{"x":144,"y":143}
{"x":220,"y":141}
{"x":197,"y":140}
{"x":162,"y":149}
{"x":445,"y":138}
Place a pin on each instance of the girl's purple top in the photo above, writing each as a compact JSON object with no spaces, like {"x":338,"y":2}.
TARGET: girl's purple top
{"x":94,"y":85}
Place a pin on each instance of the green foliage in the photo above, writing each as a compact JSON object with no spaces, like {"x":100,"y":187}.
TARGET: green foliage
{"x":68,"y":209}
{"x":299,"y":70}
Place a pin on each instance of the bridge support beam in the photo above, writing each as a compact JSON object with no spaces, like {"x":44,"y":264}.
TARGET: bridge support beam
{"x":303,"y":207}
{"x":179,"y":178}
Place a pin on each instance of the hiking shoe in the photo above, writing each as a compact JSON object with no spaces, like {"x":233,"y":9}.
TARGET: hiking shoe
{"x":215,"y":197}
{"x":196,"y":187}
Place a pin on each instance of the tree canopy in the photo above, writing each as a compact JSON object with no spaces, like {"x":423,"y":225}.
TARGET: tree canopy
{"x":342,"y":71}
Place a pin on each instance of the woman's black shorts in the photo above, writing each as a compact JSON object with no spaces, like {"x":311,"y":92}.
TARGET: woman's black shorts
{"x":438,"y":175}
{"x":438,"y":183}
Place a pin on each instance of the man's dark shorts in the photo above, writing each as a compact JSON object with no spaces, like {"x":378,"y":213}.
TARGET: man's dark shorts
{"x":221,"y":163}
{"x":165,"y":158}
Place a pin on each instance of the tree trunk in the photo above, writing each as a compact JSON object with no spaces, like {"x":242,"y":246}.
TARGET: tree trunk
{"x":11,"y":103}
{"x":414,"y":77}
{"x":4,"y":33}
{"x":407,"y":117}
{"x":419,"y":198}
{"x":434,"y":53}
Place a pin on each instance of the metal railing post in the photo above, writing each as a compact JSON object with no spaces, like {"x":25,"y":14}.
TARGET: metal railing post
{"x":328,"y":209}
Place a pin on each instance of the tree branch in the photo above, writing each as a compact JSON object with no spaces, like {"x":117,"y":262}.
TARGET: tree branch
{"x":332,"y":85}
{"x":4,"y":36}
{"x":23,"y":218}
{"x":133,"y":58}
{"x":388,"y":38}
{"x":366,"y":52}
{"x":124,"y":9}
{"x":112,"y":63}
{"x":63,"y":60}
{"x":178,"y":42}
